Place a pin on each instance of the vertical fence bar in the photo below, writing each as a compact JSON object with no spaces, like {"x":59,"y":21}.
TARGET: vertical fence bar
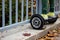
{"x":26,"y":9}
{"x":37,"y":11}
{"x":32,"y":7}
{"x":59,"y":3}
{"x":54,"y":6}
{"x":10,"y":11}
{"x":3,"y":13}
{"x":16,"y":11}
{"x":22,"y":10}
{"x":40,"y":6}
{"x":36,"y":6}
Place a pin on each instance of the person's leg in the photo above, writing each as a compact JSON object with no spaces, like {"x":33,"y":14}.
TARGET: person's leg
{"x":51,"y":11}
{"x":44,"y":6}
{"x":44,"y":9}
{"x":51,"y":5}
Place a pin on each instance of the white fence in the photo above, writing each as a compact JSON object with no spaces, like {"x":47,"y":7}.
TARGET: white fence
{"x":23,"y":20}
{"x":57,"y":6}
{"x":26,"y":3}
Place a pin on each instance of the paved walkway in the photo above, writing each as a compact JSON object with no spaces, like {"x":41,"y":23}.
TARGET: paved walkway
{"x":52,"y":35}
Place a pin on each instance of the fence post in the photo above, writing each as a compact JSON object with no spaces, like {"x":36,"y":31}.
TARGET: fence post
{"x":3,"y":13}
{"x":36,"y":6}
{"x":22,"y":11}
{"x":26,"y":9}
{"x":32,"y":7}
{"x":16,"y":11}
{"x":10,"y":12}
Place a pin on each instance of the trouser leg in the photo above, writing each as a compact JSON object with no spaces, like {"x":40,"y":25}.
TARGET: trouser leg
{"x":51,"y":5}
{"x":44,"y":6}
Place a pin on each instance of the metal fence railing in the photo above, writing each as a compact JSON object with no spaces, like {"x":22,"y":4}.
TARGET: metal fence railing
{"x":18,"y":12}
{"x":57,"y":6}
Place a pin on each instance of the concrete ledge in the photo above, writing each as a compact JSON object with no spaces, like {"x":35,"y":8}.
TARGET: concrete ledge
{"x":17,"y":33}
